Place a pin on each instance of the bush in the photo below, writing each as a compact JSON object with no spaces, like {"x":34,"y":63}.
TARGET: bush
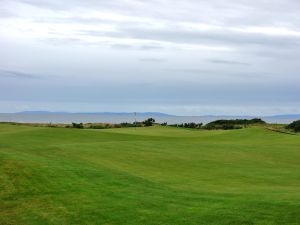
{"x":149,"y":122}
{"x":222,"y":127}
{"x":98,"y":126}
{"x":117,"y":126}
{"x":236,"y":122}
{"x":295,"y":126}
{"x":191,"y":125}
{"x":104,"y":126}
{"x":232,"y":124}
{"x":127,"y":125}
{"x":77,"y":125}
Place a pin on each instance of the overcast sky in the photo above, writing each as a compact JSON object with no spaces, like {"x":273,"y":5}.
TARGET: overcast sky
{"x":184,"y":57}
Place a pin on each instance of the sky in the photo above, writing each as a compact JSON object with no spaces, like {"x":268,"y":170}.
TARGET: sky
{"x":182,"y":57}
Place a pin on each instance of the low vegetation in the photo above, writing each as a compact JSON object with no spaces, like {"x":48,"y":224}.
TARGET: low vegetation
{"x":188,"y":125}
{"x":295,"y":126}
{"x":233,"y":124}
{"x":145,"y":123}
{"x":223,"y":124}
{"x":215,"y":125}
{"x":77,"y":125}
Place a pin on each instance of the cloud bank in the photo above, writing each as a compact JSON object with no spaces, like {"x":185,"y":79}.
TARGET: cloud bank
{"x":179,"y":57}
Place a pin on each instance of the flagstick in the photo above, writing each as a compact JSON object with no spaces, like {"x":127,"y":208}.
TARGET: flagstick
{"x":135,"y":119}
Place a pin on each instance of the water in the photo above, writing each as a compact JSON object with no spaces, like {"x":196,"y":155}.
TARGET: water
{"x":92,"y":118}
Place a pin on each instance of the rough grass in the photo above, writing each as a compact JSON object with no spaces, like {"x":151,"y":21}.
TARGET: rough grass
{"x":154,"y":175}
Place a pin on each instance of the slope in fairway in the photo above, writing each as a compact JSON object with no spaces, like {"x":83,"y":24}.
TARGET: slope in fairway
{"x":156,"y":175}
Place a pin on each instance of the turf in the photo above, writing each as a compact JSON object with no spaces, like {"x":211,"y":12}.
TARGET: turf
{"x":148,"y":176}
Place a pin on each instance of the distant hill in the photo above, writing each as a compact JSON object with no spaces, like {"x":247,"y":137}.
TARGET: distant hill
{"x":40,"y":112}
{"x":286,"y":116}
{"x":97,"y":113}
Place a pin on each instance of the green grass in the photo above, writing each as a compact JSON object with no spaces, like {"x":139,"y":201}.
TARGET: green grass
{"x":148,"y":176}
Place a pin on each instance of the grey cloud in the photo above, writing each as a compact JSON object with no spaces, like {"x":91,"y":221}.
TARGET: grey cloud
{"x":63,"y":41}
{"x":191,"y":71}
{"x":53,"y":5}
{"x":148,"y":47}
{"x":73,"y":20}
{"x":118,"y":34}
{"x":121,"y":46}
{"x":233,"y":12}
{"x":221,"y":61}
{"x":155,"y":60}
{"x":120,"y":5}
{"x":151,"y":47}
{"x":261,"y":68}
{"x":174,"y":34}
{"x":15,"y":74}
{"x":6,"y":14}
{"x":236,"y":75}
{"x":222,"y":37}
{"x":100,"y":33}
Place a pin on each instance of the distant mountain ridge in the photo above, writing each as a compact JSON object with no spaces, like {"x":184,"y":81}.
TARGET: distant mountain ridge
{"x":286,"y":116}
{"x":283,"y":116}
{"x":97,"y":113}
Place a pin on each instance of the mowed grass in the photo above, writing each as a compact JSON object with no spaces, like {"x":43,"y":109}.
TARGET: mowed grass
{"x":148,"y":176}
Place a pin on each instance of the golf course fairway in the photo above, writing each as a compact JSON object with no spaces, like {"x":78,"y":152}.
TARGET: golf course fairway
{"x":148,"y":176}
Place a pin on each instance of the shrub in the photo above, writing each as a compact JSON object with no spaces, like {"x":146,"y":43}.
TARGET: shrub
{"x":117,"y":126}
{"x":232,"y":124}
{"x":104,"y":126}
{"x":149,"y":122}
{"x":212,"y":126}
{"x":295,"y":126}
{"x":127,"y":125}
{"x":77,"y":125}
{"x":98,"y":126}
{"x":192,"y":125}
{"x":237,"y":122}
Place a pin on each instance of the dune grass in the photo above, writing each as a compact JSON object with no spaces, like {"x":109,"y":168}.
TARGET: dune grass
{"x":151,"y":176}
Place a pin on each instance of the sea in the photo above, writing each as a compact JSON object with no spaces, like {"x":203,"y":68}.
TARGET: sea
{"x":94,"y":118}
